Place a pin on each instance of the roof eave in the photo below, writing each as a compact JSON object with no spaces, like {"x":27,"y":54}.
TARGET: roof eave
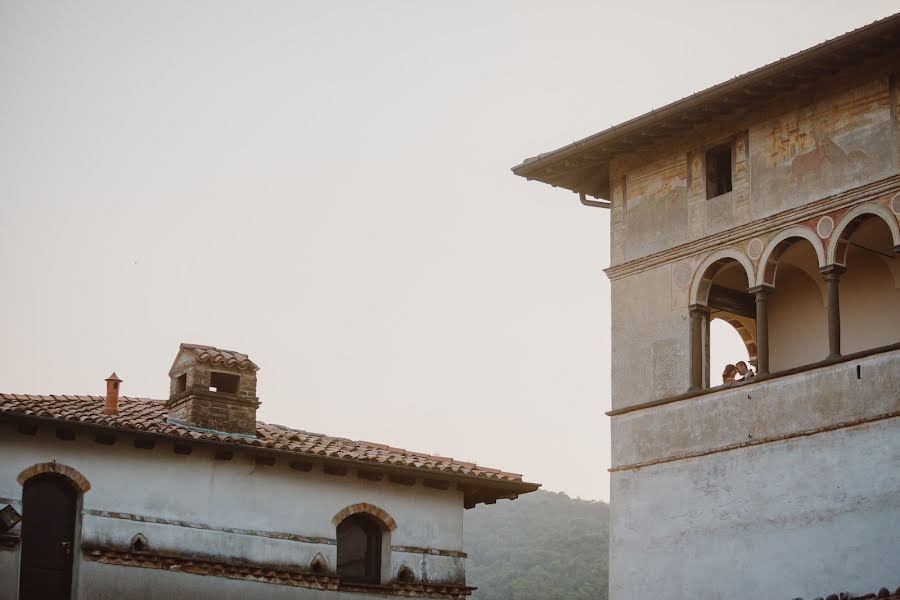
{"x":504,"y":488}
{"x":531,"y":168}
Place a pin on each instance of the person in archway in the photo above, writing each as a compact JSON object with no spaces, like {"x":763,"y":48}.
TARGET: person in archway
{"x":744,"y":371}
{"x":729,"y":374}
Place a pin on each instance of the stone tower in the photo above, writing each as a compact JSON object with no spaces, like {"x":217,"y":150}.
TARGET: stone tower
{"x":766,"y":208}
{"x":213,"y":389}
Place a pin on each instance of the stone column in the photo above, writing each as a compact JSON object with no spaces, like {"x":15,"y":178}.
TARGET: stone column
{"x":762,"y":328}
{"x":832,"y":275}
{"x":699,"y":314}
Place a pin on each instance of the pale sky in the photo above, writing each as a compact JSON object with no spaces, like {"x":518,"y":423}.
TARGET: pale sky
{"x":325,"y":186}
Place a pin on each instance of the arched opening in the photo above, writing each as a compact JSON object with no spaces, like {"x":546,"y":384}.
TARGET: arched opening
{"x":727,"y":346}
{"x":361,"y":540}
{"x":48,"y":537}
{"x":798,"y":320}
{"x":727,"y":323}
{"x":870,"y":287}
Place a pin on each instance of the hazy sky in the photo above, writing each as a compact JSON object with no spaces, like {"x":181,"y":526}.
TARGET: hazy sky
{"x":325,"y":186}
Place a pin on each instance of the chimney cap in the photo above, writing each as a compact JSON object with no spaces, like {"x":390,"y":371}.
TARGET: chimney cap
{"x":113,"y":377}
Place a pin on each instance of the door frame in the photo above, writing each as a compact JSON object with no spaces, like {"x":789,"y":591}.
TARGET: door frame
{"x":80,"y":485}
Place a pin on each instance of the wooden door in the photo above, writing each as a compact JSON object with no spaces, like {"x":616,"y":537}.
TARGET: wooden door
{"x":48,"y":532}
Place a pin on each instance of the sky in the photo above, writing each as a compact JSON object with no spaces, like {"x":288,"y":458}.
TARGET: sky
{"x":326,"y":187}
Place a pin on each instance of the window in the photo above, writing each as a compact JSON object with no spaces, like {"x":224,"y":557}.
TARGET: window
{"x":359,"y":549}
{"x":224,"y":382}
{"x":181,"y":383}
{"x":718,"y":171}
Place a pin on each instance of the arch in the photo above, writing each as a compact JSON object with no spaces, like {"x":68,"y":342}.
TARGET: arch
{"x":386,"y":520}
{"x":318,"y":564}
{"x":405,"y":574}
{"x":837,"y":244}
{"x":139,"y":543}
{"x":77,"y":480}
{"x":768,"y":263}
{"x":747,"y":335}
{"x":703,"y":279}
{"x":363,"y":549}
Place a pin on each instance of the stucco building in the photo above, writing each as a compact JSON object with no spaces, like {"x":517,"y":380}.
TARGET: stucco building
{"x":192,"y":497}
{"x":771,"y":202}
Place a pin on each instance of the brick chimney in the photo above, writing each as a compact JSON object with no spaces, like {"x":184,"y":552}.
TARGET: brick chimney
{"x":112,"y":395}
{"x":213,"y":389}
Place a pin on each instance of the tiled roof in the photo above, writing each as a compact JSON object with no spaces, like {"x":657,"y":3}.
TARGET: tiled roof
{"x":147,"y":415}
{"x":217,"y":356}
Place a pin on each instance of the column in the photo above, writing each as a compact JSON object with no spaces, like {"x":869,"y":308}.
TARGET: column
{"x":699,"y":313}
{"x":832,"y":275}
{"x":762,"y":328}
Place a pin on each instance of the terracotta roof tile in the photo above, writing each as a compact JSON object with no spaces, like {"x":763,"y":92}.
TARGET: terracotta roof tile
{"x":145,"y":414}
{"x":217,"y":356}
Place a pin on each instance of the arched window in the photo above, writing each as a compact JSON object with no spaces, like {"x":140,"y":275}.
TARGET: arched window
{"x":724,"y":321}
{"x":359,"y":548}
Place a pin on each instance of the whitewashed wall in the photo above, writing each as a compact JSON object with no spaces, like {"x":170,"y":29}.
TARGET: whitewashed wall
{"x":804,"y":517}
{"x":217,"y":496}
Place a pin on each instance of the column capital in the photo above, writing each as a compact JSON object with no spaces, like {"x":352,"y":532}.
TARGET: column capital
{"x":834,"y":271}
{"x":698,"y":309}
{"x":764,"y":289}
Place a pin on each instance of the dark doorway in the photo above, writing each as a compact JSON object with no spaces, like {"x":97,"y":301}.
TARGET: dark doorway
{"x":48,"y":532}
{"x":359,"y":549}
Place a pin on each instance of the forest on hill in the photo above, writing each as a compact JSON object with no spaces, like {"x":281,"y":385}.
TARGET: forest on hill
{"x":543,"y":545}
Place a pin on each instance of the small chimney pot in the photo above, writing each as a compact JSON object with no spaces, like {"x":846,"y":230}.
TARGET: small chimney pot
{"x":112,"y":395}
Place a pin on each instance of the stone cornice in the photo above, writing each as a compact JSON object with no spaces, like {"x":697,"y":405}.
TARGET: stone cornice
{"x":766,"y":224}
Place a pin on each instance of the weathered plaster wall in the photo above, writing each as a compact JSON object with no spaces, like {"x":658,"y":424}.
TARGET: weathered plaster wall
{"x":649,"y":334}
{"x":800,"y":518}
{"x":839,"y":142}
{"x":215,"y":496}
{"x":656,"y":205}
{"x":792,"y":153}
{"x":823,"y":397}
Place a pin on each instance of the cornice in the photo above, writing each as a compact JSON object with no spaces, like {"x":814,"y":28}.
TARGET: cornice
{"x":766,"y":224}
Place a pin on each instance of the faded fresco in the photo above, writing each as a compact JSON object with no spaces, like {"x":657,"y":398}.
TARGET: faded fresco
{"x":821,"y":149}
{"x":656,"y":206}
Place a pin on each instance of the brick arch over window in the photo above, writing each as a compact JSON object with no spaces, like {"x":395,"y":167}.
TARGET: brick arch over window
{"x":370,"y":509}
{"x":78,"y":480}
{"x":837,"y":245}
{"x":768,"y":264}
{"x":707,"y":271}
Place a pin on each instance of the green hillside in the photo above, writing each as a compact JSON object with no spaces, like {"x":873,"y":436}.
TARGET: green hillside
{"x":542,"y":546}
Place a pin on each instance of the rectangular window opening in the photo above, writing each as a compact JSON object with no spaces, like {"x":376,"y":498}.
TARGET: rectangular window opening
{"x":224,"y":382}
{"x":718,"y":171}
{"x":181,"y":383}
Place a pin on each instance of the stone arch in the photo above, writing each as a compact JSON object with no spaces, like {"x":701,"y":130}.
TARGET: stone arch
{"x":78,"y":480}
{"x":837,"y":244}
{"x":703,"y":275}
{"x":768,"y":263}
{"x":748,"y":336}
{"x":381,"y":515}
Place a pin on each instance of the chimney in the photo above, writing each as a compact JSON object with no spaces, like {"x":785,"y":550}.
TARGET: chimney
{"x":112,"y":395}
{"x":213,"y":390}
